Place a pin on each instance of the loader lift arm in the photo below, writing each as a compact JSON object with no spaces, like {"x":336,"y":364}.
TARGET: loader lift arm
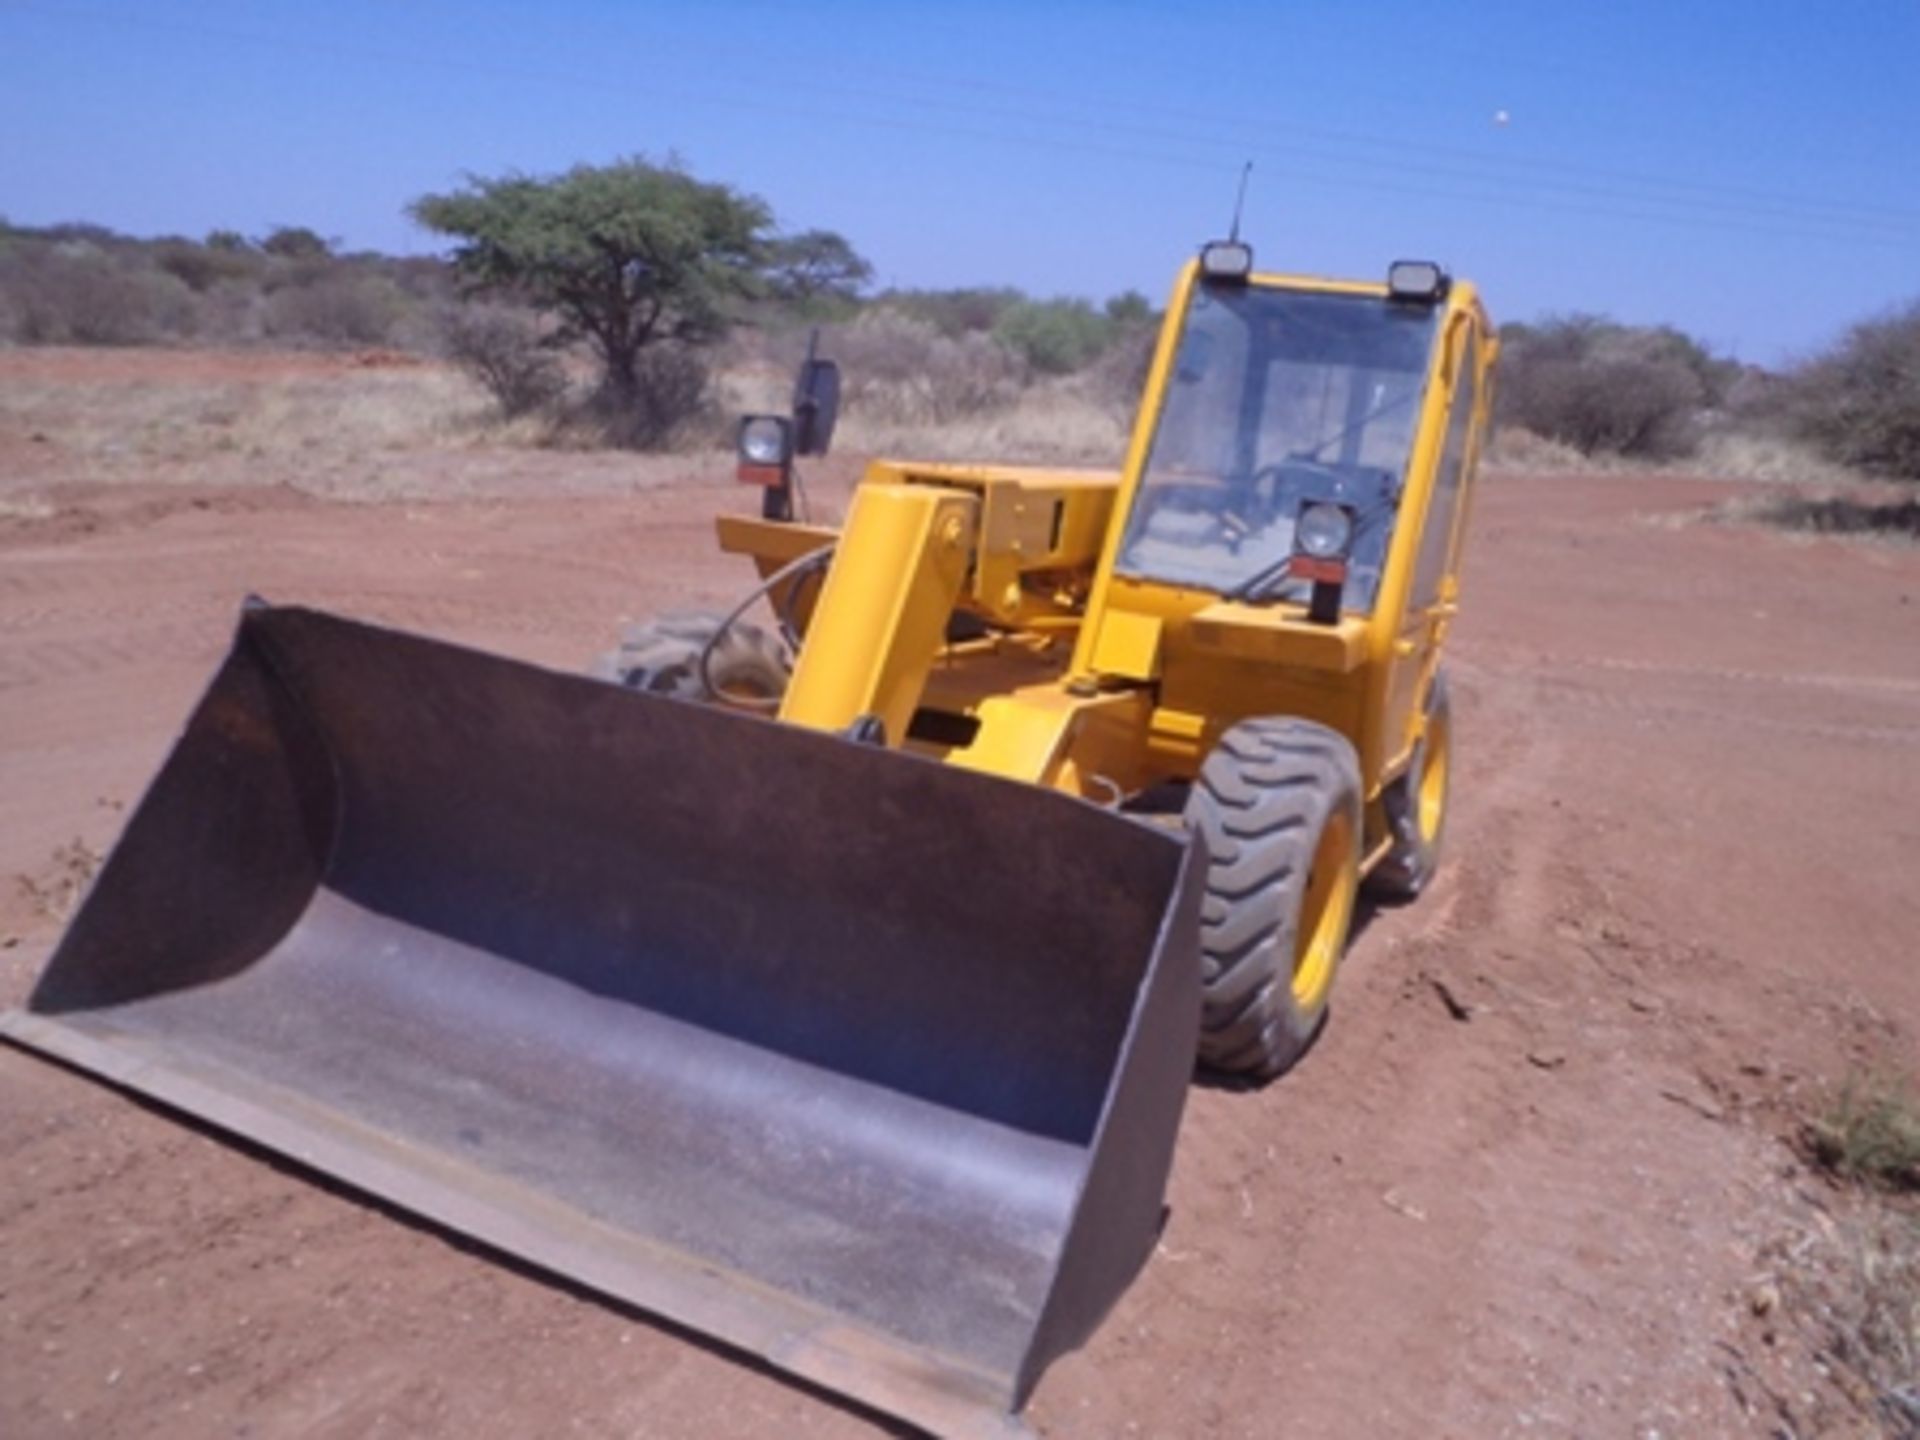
{"x":998,"y":543}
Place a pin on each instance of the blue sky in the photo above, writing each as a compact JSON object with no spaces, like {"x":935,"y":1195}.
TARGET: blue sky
{"x":1744,"y":171}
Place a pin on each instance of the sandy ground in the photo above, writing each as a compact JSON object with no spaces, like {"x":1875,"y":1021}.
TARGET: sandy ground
{"x":1522,"y":1187}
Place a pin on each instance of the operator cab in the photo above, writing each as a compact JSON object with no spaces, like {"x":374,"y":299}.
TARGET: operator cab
{"x":1282,"y":444}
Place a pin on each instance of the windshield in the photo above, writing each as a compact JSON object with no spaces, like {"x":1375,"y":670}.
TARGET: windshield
{"x":1278,"y":398}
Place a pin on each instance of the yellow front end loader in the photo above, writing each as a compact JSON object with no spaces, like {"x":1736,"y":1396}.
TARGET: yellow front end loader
{"x":853,"y":1029}
{"x":1242,"y":629}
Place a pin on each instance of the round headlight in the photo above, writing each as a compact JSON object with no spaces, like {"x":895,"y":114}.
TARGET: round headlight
{"x":763,"y":440}
{"x":1324,"y":532}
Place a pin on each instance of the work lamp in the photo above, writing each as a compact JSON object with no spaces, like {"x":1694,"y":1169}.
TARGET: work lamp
{"x":1227,"y":262}
{"x":765,"y":440}
{"x":1321,"y":537}
{"x":1417,"y":280}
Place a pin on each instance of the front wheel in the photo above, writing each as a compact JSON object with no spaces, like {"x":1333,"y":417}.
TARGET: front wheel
{"x":1278,"y":802}
{"x":745,"y":666}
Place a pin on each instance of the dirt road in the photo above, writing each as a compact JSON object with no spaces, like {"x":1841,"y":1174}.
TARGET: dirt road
{"x":1519,"y":1189}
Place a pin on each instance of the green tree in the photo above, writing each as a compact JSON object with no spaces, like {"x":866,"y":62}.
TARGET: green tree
{"x":1129,"y":308}
{"x":296,"y":242}
{"x":625,"y":256}
{"x":954,"y":312}
{"x":1055,"y":336}
{"x":816,"y":265}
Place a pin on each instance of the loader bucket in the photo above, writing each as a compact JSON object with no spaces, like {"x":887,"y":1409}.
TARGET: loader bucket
{"x":860,"y":1063}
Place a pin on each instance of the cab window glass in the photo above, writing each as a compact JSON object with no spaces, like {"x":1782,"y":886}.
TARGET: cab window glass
{"x":1279,"y":399}
{"x":1436,"y":544}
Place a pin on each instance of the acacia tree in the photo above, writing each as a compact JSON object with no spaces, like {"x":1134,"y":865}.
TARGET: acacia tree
{"x":625,"y":256}
{"x":816,"y":265}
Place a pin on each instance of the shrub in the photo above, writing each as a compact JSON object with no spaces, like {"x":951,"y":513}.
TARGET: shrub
{"x":336,"y":309}
{"x":77,"y":294}
{"x":296,"y":242}
{"x":1130,"y":308}
{"x":201,"y":267}
{"x":233,"y":311}
{"x":1859,"y":403}
{"x":954,"y":312}
{"x":1601,"y":387}
{"x":1844,"y":515}
{"x":902,"y":369}
{"x":1117,"y":378}
{"x":501,"y":348}
{"x":667,"y":398}
{"x":1870,"y":1131}
{"x":1055,"y":337}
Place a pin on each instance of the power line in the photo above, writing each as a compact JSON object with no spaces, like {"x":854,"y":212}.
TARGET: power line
{"x":1805,"y":220}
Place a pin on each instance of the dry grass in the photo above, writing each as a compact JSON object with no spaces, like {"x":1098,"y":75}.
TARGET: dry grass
{"x":1515,"y":449}
{"x":331,"y":428}
{"x":1869,"y":1133}
{"x":1870,"y":513}
{"x":1052,"y":423}
{"x":1722,"y":455}
{"x":1850,"y":1277}
{"x":110,"y":425}
{"x":1850,"y":1282}
{"x":350,"y":431}
{"x":421,"y":431}
{"x":1769,"y":459}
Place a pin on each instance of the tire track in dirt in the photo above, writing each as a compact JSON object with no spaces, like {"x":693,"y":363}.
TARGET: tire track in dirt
{"x":1329,"y":1214}
{"x":1512,"y":659}
{"x":1566,"y":690}
{"x":1533,"y":1220}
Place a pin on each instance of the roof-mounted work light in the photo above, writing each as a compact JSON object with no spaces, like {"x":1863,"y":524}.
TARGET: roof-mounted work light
{"x":1417,"y":281}
{"x":1226,"y":262}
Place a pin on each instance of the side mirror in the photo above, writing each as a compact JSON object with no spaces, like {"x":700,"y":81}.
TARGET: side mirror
{"x":816,"y":405}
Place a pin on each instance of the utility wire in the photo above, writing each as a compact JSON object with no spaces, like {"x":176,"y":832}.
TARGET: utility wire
{"x":1819,"y":220}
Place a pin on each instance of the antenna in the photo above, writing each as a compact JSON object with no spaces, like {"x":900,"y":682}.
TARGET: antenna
{"x":1240,"y":202}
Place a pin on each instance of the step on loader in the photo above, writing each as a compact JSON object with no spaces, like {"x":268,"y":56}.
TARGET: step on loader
{"x":835,"y":993}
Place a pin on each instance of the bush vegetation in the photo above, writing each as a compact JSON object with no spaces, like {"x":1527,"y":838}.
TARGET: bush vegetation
{"x":502,"y":347}
{"x":1859,"y":402}
{"x":1604,"y":388}
{"x":1869,"y":1132}
{"x":1856,"y":1276}
{"x":83,"y":285}
{"x":613,"y":262}
{"x":640,"y":263}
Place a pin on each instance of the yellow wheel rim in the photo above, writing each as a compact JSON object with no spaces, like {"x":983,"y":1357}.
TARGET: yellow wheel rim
{"x":1434,"y":765}
{"x":1325,"y":911}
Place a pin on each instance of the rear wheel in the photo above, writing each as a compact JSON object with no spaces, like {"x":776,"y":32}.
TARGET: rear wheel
{"x":1416,"y":806}
{"x":747,"y":666}
{"x":1279,"y":804}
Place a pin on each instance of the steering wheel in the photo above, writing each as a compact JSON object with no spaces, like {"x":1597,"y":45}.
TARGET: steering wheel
{"x":1286,"y":479}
